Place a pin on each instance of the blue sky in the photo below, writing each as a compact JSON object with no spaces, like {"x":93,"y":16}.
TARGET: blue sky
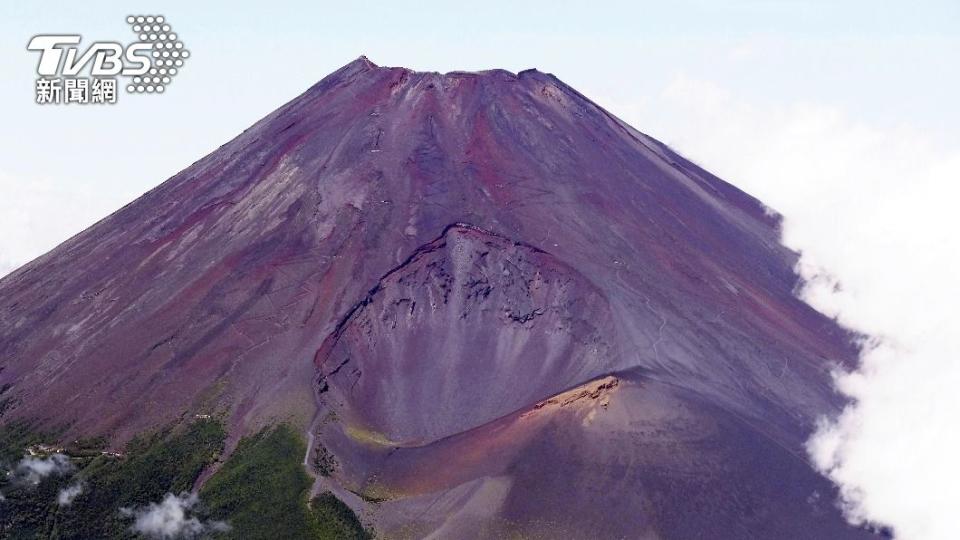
{"x":841,"y":115}
{"x":890,"y":65}
{"x":887,"y":64}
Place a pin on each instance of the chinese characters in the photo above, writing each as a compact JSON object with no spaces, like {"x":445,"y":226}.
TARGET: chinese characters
{"x":79,"y":90}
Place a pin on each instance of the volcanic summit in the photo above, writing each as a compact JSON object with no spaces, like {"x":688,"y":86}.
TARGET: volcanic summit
{"x":493,"y":308}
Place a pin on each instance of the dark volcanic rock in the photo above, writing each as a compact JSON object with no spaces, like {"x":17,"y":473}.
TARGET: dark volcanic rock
{"x":507,"y":311}
{"x":465,"y":313}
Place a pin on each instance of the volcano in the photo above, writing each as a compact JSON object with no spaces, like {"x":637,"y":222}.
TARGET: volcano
{"x":492,"y":308}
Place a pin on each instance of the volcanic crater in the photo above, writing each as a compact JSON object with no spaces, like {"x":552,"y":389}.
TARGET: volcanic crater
{"x":494,"y":308}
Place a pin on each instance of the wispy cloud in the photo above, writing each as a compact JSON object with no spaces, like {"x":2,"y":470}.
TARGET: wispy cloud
{"x":31,"y":470}
{"x":171,"y":518}
{"x":66,"y":495}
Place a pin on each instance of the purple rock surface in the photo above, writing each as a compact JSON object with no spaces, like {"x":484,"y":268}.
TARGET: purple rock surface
{"x":503,"y":311}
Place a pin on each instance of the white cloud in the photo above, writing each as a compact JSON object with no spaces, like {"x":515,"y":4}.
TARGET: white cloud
{"x":875,"y":209}
{"x":171,"y":518}
{"x":66,"y":495}
{"x":31,"y":470}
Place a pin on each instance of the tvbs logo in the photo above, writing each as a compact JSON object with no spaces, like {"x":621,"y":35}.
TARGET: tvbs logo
{"x":148,"y":64}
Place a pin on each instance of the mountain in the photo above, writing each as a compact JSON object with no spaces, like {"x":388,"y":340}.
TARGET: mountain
{"x":492,"y":307}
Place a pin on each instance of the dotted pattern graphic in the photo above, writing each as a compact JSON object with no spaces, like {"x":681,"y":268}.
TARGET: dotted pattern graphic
{"x":167,"y":55}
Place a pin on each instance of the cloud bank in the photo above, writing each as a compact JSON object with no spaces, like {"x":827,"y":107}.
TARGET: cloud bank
{"x":873,"y":210}
{"x":171,"y":518}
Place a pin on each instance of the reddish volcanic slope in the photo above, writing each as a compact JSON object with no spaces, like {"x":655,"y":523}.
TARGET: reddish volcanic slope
{"x":501,"y":309}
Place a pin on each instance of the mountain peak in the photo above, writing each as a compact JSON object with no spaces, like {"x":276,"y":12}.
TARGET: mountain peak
{"x":403,"y":265}
{"x":363,"y":63}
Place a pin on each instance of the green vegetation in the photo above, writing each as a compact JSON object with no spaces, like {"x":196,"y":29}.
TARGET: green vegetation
{"x":336,"y":518}
{"x":91,"y":447}
{"x":168,"y":461}
{"x":14,"y":437}
{"x":262,"y":492}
